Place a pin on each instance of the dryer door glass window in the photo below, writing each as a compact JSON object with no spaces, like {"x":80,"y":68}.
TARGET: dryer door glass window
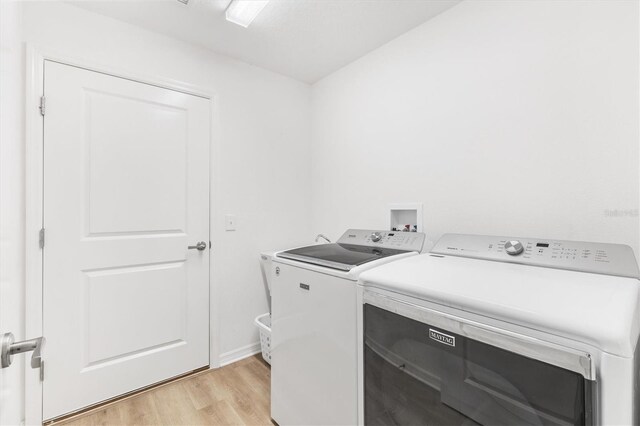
{"x":419,"y":374}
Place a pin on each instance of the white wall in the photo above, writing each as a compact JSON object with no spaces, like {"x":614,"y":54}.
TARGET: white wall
{"x":261,"y":124}
{"x":503,"y":117}
{"x":11,"y":205}
{"x":517,"y":118}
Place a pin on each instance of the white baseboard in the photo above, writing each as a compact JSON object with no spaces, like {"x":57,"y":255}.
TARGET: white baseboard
{"x":240,"y":353}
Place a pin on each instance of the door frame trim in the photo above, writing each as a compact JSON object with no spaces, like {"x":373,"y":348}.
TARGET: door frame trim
{"x":34,"y":199}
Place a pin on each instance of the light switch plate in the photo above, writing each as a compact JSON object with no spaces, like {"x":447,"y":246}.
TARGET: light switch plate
{"x":230,"y":222}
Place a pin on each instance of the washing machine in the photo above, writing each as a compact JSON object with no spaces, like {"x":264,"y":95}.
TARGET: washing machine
{"x":313,"y":341}
{"x":501,"y":331}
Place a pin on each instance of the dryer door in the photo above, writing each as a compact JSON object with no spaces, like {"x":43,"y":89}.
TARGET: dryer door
{"x":420,"y":373}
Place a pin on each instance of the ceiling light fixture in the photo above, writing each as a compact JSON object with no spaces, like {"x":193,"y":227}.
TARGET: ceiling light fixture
{"x":243,"y":12}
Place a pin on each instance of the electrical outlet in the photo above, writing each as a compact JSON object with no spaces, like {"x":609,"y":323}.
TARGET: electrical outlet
{"x":230,"y":222}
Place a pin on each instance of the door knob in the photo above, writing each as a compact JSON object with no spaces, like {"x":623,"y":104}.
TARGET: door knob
{"x":10,"y":347}
{"x":199,"y":246}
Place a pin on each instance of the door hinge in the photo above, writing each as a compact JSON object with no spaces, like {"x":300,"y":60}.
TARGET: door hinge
{"x":42,"y":105}
{"x":41,"y":238}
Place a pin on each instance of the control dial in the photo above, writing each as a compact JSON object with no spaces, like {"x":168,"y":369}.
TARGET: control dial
{"x":376,"y":236}
{"x":513,"y":247}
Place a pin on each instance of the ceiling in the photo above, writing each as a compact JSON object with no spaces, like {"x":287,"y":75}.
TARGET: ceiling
{"x":303,"y":39}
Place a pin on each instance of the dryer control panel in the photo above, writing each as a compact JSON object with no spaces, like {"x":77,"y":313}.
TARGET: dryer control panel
{"x":599,"y":258}
{"x":408,"y":241}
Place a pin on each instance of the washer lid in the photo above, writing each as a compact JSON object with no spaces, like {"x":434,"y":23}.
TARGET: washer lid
{"x":599,"y":310}
{"x":339,"y":256}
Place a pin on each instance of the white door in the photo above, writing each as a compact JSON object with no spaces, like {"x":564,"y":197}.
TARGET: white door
{"x":11,"y":389}
{"x":11,"y":211}
{"x":126,"y":190}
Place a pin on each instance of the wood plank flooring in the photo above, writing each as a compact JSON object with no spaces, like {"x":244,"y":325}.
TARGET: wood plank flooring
{"x":237,"y":394}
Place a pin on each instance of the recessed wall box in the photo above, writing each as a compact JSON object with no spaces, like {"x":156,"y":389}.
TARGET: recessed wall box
{"x":405,"y":217}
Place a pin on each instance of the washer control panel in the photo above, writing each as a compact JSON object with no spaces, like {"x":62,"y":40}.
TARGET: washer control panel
{"x":408,"y":241}
{"x":600,"y":258}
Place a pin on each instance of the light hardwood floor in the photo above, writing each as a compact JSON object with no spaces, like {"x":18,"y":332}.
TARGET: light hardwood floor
{"x":237,"y":394}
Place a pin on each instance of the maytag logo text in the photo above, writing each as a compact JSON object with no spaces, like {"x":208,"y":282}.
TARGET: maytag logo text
{"x":442,"y":338}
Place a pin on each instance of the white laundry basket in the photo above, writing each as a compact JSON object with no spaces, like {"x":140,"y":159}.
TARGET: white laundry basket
{"x":264,"y":325}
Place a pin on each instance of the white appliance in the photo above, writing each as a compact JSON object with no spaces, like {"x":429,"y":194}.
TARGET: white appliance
{"x":492,"y":330}
{"x":313,"y":342}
